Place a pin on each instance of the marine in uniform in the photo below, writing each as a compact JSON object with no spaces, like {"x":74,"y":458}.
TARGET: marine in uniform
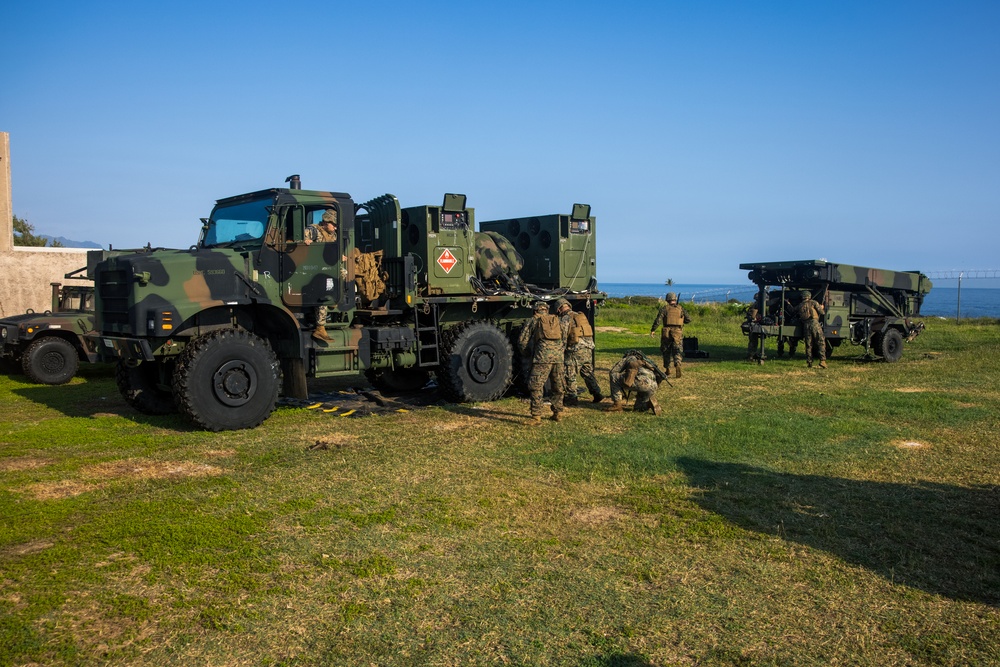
{"x":674,"y":318}
{"x":579,"y":352}
{"x":635,"y":372}
{"x":811,"y":317}
{"x":547,"y":335}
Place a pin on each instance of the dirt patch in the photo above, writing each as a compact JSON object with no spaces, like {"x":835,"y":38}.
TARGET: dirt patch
{"x":149,"y":469}
{"x":910,"y":390}
{"x":23,"y":463}
{"x":612,"y":329}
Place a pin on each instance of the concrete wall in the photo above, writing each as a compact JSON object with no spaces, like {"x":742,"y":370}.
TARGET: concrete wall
{"x":26,"y":273}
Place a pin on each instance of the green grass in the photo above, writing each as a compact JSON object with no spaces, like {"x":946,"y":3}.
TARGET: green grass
{"x":774,"y":515}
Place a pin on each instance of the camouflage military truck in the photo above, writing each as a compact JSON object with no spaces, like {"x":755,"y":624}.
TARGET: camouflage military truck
{"x":217,"y":330}
{"x":867,"y":307}
{"x":48,"y":346}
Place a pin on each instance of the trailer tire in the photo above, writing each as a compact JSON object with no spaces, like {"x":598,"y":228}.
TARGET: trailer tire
{"x":890,"y":345}
{"x":227,"y":380}
{"x":397,"y":379}
{"x":477,"y":363}
{"x":138,"y":385}
{"x":50,"y":360}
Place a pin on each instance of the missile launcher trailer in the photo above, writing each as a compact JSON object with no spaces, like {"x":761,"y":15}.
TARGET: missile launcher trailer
{"x":873,"y":308}
{"x":213,"y":330}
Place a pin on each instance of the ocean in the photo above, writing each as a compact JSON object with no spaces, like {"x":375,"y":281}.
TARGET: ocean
{"x":940,"y":302}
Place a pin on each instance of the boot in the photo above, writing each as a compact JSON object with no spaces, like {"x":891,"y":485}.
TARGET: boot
{"x":657,"y":410}
{"x":809,"y":364}
{"x":822,"y":364}
{"x":598,"y":397}
{"x":615,"y":407}
{"x":557,"y":416}
{"x":319,"y":333}
{"x":677,"y":371}
{"x":535,"y":420}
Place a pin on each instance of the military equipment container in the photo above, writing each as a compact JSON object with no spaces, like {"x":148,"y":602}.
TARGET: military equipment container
{"x":406,"y":292}
{"x":873,"y":308}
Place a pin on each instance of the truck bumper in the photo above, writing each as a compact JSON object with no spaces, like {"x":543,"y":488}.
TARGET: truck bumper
{"x":125,"y":349}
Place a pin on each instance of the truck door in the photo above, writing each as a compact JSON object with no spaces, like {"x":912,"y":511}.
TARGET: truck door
{"x":314,"y":274}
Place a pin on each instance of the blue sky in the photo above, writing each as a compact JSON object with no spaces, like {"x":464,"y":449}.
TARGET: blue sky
{"x":703,"y":134}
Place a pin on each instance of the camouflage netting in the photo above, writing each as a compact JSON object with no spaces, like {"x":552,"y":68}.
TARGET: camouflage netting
{"x":496,"y":257}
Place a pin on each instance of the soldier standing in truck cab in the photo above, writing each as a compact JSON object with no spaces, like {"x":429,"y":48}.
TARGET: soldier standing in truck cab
{"x":674,"y":318}
{"x":324,"y":232}
{"x":548,"y":334}
{"x":811,"y":316}
{"x":579,"y":352}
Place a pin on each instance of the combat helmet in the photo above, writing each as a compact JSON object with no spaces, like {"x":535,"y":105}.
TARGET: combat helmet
{"x":670,"y":297}
{"x":541,"y":306}
{"x":560,"y":302}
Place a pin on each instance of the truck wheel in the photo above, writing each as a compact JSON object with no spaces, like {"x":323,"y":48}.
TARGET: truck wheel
{"x":397,"y":379}
{"x":476,"y":365}
{"x":139,"y":386}
{"x":226,"y":380}
{"x":50,"y":360}
{"x":890,"y":345}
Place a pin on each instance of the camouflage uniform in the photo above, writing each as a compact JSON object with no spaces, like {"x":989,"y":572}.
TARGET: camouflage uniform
{"x":579,"y":352}
{"x":811,"y":314}
{"x":636,"y":372}
{"x":547,"y":361}
{"x":322,"y":233}
{"x":674,"y":318}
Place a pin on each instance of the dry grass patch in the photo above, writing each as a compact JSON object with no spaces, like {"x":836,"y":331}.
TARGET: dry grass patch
{"x":33,"y":547}
{"x":598,"y":516}
{"x":149,"y":469}
{"x":23,"y":463}
{"x":64,"y":488}
{"x":909,"y":444}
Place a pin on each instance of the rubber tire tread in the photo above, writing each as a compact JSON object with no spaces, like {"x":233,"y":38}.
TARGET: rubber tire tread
{"x":192,"y":383}
{"x":890,"y":345}
{"x":457,"y":341}
{"x":31,"y":361}
{"x":137,"y":386}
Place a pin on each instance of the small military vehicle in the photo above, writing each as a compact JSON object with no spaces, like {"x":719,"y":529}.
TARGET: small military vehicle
{"x":217,"y":330}
{"x":873,"y":308}
{"x":48,"y":346}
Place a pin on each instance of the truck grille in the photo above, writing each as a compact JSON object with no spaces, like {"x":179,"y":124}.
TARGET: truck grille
{"x":113,"y":290}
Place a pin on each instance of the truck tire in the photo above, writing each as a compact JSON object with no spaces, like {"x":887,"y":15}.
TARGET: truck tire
{"x":139,"y":386}
{"x":397,"y":379}
{"x":226,"y":380}
{"x":50,"y":360}
{"x":477,"y":363}
{"x":890,"y":345}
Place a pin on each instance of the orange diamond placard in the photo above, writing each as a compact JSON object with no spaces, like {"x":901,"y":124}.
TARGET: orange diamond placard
{"x":447,"y":261}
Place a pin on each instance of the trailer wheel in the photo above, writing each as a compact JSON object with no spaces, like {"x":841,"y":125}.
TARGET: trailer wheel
{"x":476,"y":365}
{"x":397,"y":379}
{"x":890,"y":345}
{"x":50,"y":360}
{"x":139,"y":386}
{"x":226,"y":380}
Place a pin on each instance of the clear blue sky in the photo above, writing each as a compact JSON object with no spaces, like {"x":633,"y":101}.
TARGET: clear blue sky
{"x":704,"y":134}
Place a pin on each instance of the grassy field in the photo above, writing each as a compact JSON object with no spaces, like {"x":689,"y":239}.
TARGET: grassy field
{"x":774,"y":515}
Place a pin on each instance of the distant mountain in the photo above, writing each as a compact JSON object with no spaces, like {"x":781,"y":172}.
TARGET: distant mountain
{"x":66,"y":243}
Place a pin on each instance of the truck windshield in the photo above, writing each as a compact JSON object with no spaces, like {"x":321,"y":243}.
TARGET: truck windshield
{"x":237,"y":223}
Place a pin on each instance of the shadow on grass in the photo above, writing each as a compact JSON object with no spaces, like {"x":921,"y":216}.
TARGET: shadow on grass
{"x":939,"y":538}
{"x":92,"y":399}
